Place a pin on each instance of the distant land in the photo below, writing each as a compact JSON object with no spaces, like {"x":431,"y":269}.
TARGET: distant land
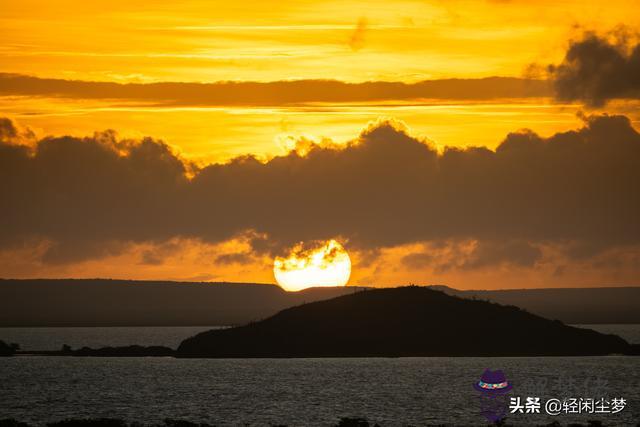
{"x":402,"y":322}
{"x":407,"y":321}
{"x":570,"y":305}
{"x":103,"y":302}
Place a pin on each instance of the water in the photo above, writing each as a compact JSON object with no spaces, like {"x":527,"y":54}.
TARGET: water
{"x":398,"y":391}
{"x":401,"y":391}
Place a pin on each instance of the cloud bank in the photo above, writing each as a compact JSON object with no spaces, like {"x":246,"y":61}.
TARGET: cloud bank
{"x":275,"y":93}
{"x":91,"y":197}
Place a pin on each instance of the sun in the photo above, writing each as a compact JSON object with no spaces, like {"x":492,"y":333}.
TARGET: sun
{"x":324,"y":264}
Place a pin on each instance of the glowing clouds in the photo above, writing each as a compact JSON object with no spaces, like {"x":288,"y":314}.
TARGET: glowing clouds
{"x":325,"y":264}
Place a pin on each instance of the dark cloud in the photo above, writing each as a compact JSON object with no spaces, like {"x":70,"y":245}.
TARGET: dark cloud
{"x":576,"y":190}
{"x":517,"y":253}
{"x":596,"y":70}
{"x":158,"y":253}
{"x":418,"y":260}
{"x":10,"y":133}
{"x":87,"y":196}
{"x":235,"y":258}
{"x":8,"y":130}
{"x":465,"y":255}
{"x":275,"y":93}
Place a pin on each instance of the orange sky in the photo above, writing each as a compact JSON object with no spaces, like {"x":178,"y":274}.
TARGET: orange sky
{"x":200,"y":40}
{"x":351,"y":41}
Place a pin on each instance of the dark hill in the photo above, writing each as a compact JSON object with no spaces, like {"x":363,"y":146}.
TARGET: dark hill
{"x":103,"y":302}
{"x":571,"y":305}
{"x":408,"y":321}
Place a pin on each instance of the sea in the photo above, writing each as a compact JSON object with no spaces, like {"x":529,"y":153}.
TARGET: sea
{"x":301,"y":392}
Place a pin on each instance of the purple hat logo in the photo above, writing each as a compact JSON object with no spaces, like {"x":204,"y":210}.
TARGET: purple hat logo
{"x":493,"y":382}
{"x":493,"y":386}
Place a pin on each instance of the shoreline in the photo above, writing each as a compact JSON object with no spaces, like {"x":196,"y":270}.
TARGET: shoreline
{"x":101,"y":353}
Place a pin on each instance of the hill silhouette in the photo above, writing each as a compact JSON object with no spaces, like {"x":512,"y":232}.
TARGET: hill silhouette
{"x":103,"y":302}
{"x":407,"y":321}
{"x":571,"y":305}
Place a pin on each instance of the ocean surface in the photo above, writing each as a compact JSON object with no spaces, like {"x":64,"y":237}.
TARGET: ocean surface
{"x":296,"y":392}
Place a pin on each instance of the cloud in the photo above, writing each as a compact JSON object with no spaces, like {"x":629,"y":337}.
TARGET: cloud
{"x":8,"y":130}
{"x":577,"y":190}
{"x":356,"y":41}
{"x":10,"y":133}
{"x":275,"y":93}
{"x":235,"y":258}
{"x":596,"y":69}
{"x":466,"y":255}
{"x":513,"y":252}
{"x":158,"y":253}
{"x":88,"y":196}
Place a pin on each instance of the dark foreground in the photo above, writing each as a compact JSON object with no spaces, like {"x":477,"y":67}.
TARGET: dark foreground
{"x":304,"y":392}
{"x":343,"y":422}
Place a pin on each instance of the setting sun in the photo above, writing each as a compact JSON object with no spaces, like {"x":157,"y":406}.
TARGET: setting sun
{"x":326,"y":264}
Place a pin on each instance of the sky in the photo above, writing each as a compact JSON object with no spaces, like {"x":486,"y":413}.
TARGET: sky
{"x":476,"y":144}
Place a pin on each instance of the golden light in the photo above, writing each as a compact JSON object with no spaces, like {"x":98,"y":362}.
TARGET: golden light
{"x":327,"y":264}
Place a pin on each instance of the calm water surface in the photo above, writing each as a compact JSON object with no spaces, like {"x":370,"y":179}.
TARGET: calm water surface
{"x":417,"y":391}
{"x":401,"y":391}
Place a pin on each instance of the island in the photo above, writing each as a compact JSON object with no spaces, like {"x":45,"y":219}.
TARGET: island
{"x":407,"y":321}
